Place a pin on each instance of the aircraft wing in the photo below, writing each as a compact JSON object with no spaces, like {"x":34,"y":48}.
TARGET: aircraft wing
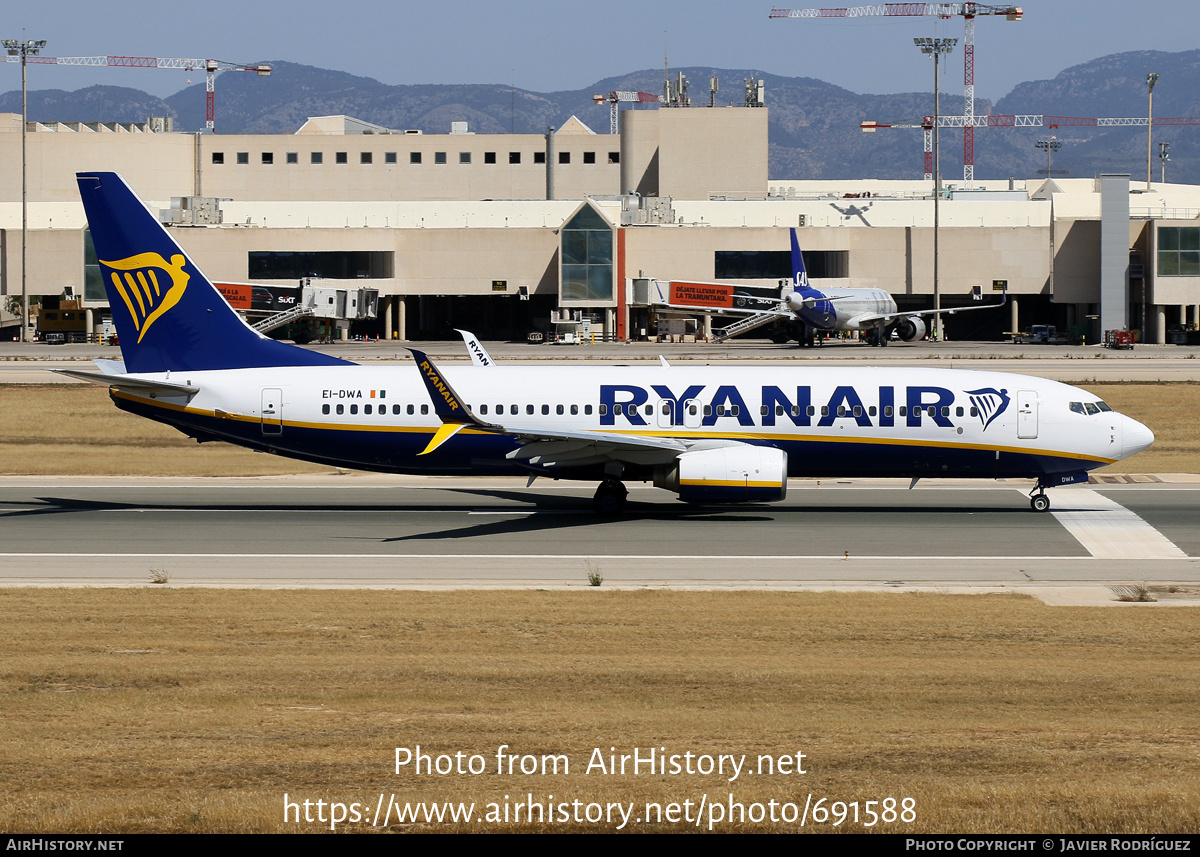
{"x":889,"y":317}
{"x":539,"y":445}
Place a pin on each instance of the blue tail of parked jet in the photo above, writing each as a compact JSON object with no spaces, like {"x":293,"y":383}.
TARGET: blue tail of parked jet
{"x":799,"y":274}
{"x":168,"y":315}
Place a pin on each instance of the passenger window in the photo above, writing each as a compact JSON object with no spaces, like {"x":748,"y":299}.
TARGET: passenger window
{"x":558,"y":409}
{"x":324,"y":409}
{"x":858,"y":410}
{"x":617,"y":409}
{"x":603,"y":409}
{"x":812,"y":412}
{"x":411,"y":410}
{"x":708,"y":410}
{"x":795,"y":410}
{"x":545,"y":410}
{"x":958,"y":412}
{"x":483,"y":409}
{"x":396,"y":409}
{"x":824,"y":410}
{"x":871,"y":410}
{"x":341,"y":409}
{"x":367,"y":409}
{"x":720,"y":410}
{"x":887,"y":410}
{"x":649,"y":410}
{"x":587,"y":410}
{"x":512,"y":409}
{"x":574,"y":410}
{"x":974,"y":411}
{"x":904,"y":410}
{"x":932,"y":410}
{"x":354,"y":409}
{"x":735,"y":410}
{"x":529,"y":409}
{"x":841,"y":410}
{"x":424,"y":409}
{"x":692,"y":410}
{"x":945,"y":410}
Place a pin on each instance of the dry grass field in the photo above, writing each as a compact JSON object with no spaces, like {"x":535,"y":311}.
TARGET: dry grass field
{"x":157,"y":709}
{"x":76,"y":430}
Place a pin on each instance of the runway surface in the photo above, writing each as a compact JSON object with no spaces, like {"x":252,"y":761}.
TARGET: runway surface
{"x":380,"y":531}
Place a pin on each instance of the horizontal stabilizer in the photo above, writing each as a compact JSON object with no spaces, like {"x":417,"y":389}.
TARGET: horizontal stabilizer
{"x":126,"y":382}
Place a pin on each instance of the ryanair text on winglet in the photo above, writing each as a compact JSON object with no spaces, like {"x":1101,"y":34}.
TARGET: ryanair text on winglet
{"x":437,"y":384}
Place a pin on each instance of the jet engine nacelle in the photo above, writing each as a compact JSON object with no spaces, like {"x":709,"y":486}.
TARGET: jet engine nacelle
{"x":728,"y":474}
{"x":911,"y":329}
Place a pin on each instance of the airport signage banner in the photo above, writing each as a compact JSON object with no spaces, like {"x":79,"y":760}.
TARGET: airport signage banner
{"x":248,"y":296}
{"x":701,"y":294}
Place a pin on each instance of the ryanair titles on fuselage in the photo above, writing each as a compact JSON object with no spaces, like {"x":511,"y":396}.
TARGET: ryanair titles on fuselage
{"x":916,"y":402}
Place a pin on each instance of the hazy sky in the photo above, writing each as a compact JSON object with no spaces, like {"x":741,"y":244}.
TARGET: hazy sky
{"x":547,"y":46}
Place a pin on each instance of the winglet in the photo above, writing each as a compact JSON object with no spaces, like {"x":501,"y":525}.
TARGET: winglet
{"x":447,"y":404}
{"x":479,"y":355}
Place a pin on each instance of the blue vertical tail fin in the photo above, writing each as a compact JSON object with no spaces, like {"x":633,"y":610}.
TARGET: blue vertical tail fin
{"x":168,"y":315}
{"x":799,"y":274}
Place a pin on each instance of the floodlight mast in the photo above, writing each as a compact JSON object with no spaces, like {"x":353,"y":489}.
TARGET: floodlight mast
{"x":936,"y":47}
{"x":19,"y":50}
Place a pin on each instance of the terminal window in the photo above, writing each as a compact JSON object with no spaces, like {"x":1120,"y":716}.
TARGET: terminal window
{"x":587,"y":258}
{"x":589,"y":157}
{"x":243,"y":157}
{"x":777,"y":264}
{"x":514,"y":157}
{"x":1179,"y":251}
{"x":414,"y":157}
{"x":364,"y":157}
{"x":218,"y":157}
{"x":564,"y":157}
{"x":293,"y":157}
{"x":439,"y":157}
{"x":614,"y":157}
{"x":317,"y":158}
{"x":341,"y":158}
{"x":489,"y":157}
{"x":268,"y":157}
{"x":464,"y":157}
{"x":337,"y":265}
{"x":539,"y":157}
{"x":389,"y":157}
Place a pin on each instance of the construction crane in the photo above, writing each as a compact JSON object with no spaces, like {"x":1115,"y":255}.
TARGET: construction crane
{"x":967,"y":11}
{"x":210,"y":67}
{"x":1021,"y":120}
{"x":614,"y":100}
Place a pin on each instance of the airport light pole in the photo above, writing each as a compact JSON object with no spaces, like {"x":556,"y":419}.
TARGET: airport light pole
{"x":24,"y":49}
{"x":936,"y":47}
{"x":1151,"y":79}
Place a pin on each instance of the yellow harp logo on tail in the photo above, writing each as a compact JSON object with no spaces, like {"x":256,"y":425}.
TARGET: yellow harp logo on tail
{"x":145,"y":289}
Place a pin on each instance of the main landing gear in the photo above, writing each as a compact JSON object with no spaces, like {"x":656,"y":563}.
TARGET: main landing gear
{"x":1038,"y":501}
{"x":610,"y":498}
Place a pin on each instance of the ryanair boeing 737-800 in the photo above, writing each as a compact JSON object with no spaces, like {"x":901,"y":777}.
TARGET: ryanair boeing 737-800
{"x":708,"y":434}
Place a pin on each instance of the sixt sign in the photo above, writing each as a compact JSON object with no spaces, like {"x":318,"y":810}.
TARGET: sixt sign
{"x":773,"y":405}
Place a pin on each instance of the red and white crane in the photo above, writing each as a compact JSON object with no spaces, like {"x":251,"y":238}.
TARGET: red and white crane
{"x":614,"y":100}
{"x":1023,"y":120}
{"x":967,"y":11}
{"x":210,"y":67}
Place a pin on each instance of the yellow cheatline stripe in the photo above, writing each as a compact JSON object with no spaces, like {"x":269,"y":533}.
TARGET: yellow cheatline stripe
{"x":770,"y":438}
{"x":727,"y":483}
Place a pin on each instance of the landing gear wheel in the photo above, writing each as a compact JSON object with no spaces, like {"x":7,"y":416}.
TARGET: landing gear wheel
{"x":609,"y":500}
{"x":1039,"y":503}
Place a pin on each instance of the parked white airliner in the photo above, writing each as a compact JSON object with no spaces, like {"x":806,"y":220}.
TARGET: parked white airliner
{"x":708,"y":434}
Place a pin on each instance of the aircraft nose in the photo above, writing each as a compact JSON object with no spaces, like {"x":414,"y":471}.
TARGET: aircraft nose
{"x":1134,"y":437}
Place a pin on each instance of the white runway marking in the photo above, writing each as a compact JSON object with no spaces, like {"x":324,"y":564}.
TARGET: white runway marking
{"x":1110,"y":531}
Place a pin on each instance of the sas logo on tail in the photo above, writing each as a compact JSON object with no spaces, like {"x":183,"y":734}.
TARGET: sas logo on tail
{"x":990,"y":403}
{"x":149,"y":286}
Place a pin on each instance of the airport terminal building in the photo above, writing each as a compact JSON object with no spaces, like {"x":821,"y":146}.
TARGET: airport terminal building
{"x":508,"y":234}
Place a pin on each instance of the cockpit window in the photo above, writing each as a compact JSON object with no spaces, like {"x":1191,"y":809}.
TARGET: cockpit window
{"x":1077,"y":407}
{"x":1091,"y":408}
{"x":1103,"y":406}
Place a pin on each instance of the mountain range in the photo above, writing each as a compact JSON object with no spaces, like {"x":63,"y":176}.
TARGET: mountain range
{"x":814,"y":126}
